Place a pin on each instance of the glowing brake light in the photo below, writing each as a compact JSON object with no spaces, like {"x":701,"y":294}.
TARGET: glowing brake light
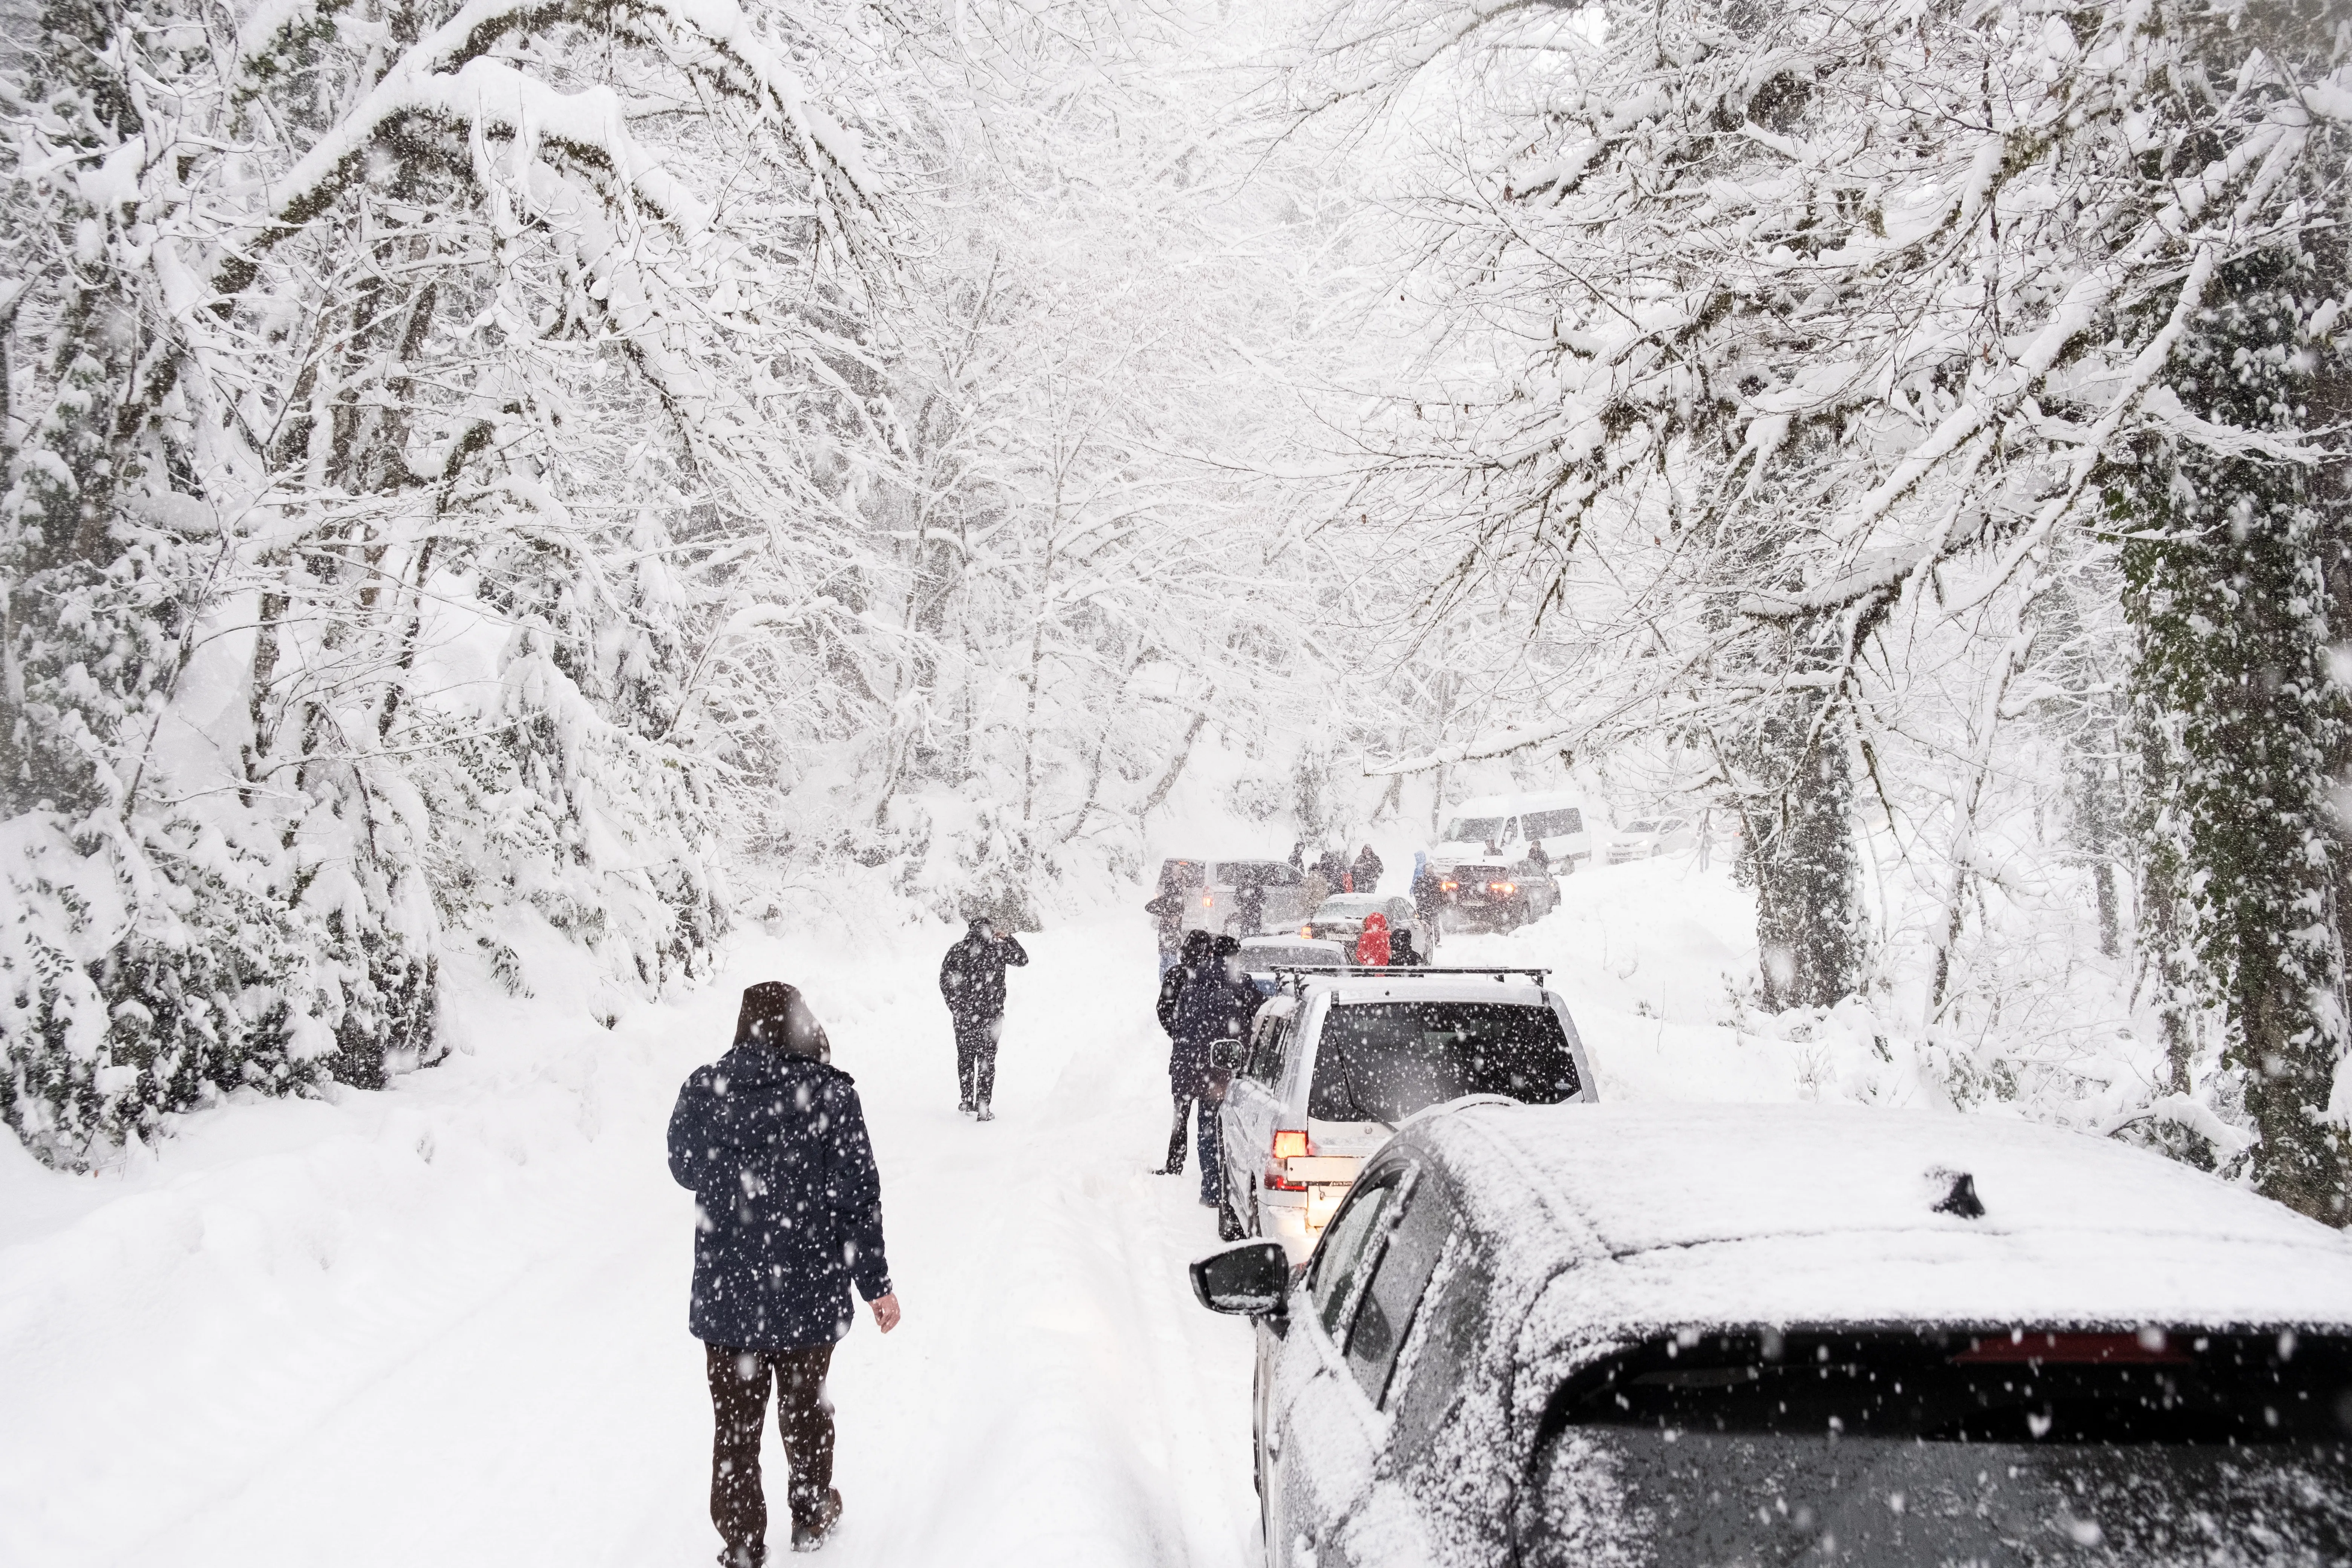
{"x":1290,"y":1143}
{"x":1506,"y":888}
{"x":1449,"y":887}
{"x":1208,"y":900}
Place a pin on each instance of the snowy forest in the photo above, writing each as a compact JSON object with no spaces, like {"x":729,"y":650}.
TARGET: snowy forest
{"x":637,"y":469}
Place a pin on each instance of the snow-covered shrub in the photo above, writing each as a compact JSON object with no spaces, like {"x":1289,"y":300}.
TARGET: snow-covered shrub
{"x":393,"y":398}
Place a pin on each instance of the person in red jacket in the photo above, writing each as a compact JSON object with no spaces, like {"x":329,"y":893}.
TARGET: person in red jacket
{"x":1372,"y":946}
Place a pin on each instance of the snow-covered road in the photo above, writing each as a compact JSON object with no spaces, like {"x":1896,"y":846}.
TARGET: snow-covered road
{"x":446,"y":1324}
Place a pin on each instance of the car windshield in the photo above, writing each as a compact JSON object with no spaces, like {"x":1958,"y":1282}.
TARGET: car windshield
{"x":2134,"y":1447}
{"x":1474,"y":830}
{"x":1382,"y":1061}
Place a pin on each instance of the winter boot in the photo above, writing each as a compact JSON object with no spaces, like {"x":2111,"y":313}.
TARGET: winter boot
{"x":752,"y":1555}
{"x":809,"y":1534}
{"x":982,"y":1113}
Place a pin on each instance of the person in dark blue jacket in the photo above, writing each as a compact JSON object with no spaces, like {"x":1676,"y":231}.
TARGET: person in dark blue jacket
{"x":788,"y":1218}
{"x":971,"y":982}
{"x":1213,"y":1002}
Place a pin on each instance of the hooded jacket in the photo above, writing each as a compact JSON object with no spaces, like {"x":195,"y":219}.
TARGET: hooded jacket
{"x":971,"y":976}
{"x":1372,"y":943}
{"x":788,"y":1204}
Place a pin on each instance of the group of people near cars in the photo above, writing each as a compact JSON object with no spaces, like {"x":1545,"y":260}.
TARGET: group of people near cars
{"x":771,"y":1139}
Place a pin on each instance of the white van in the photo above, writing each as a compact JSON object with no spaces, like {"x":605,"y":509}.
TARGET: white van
{"x":1498,"y":829}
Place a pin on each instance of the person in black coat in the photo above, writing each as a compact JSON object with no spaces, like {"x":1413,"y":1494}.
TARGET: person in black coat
{"x":1199,"y":946}
{"x":972,"y":979}
{"x":772,"y":1140}
{"x":1213,"y":1004}
{"x":1167,"y":912}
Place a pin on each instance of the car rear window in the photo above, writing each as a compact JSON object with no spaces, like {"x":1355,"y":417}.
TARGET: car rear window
{"x":1183,"y":873}
{"x":1258,"y":873}
{"x":1382,"y":1061}
{"x":2007,"y":1447}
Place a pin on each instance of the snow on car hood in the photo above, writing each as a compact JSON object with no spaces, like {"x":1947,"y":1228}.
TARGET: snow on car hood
{"x":1666,"y":1215}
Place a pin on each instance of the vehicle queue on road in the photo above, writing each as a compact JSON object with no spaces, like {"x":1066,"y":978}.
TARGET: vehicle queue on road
{"x":1498,"y":1322}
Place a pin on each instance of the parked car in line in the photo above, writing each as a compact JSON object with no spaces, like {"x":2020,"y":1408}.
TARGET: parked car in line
{"x":1501,"y":829}
{"x":1340,"y":918}
{"x":1689,"y":1335}
{"x":1653,"y":836}
{"x":1212,"y":893}
{"x":1333,"y":1062}
{"x":1479,"y":897}
{"x":1260,"y":954}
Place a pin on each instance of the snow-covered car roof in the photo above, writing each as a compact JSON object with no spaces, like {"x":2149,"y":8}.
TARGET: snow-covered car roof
{"x":1308,"y":949}
{"x":1638,"y":1217}
{"x":1518,"y":988}
{"x":1358,"y":903}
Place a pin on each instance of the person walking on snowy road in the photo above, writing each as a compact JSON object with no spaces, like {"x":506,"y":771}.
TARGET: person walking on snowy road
{"x":1215,"y":1003}
{"x":971,"y":978}
{"x":1365,"y":872}
{"x":772,"y":1140}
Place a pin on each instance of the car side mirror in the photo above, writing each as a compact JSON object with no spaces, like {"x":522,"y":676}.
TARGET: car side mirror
{"x":1250,"y":1279}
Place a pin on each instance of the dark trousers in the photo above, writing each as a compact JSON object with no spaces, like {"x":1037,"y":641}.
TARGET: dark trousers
{"x":976,"y":1057}
{"x":1209,"y":1150}
{"x":739,"y":1399}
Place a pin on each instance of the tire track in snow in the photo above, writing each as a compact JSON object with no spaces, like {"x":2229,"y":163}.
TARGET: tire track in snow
{"x":1069,"y":1360}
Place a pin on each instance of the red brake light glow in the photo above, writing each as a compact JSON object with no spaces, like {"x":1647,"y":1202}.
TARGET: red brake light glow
{"x":1506,"y":888}
{"x":1290,"y":1143}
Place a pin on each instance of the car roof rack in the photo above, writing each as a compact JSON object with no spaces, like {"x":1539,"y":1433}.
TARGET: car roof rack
{"x":1301,"y":972}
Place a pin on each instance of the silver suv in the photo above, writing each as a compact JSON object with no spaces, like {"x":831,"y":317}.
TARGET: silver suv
{"x":1244,"y":898}
{"x":1336,"y":1057}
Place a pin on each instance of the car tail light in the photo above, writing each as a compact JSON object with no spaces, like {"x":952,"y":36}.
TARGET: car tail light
{"x":1208,"y":900}
{"x":1289,"y":1142}
{"x":1448,"y":887}
{"x":1506,"y":888}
